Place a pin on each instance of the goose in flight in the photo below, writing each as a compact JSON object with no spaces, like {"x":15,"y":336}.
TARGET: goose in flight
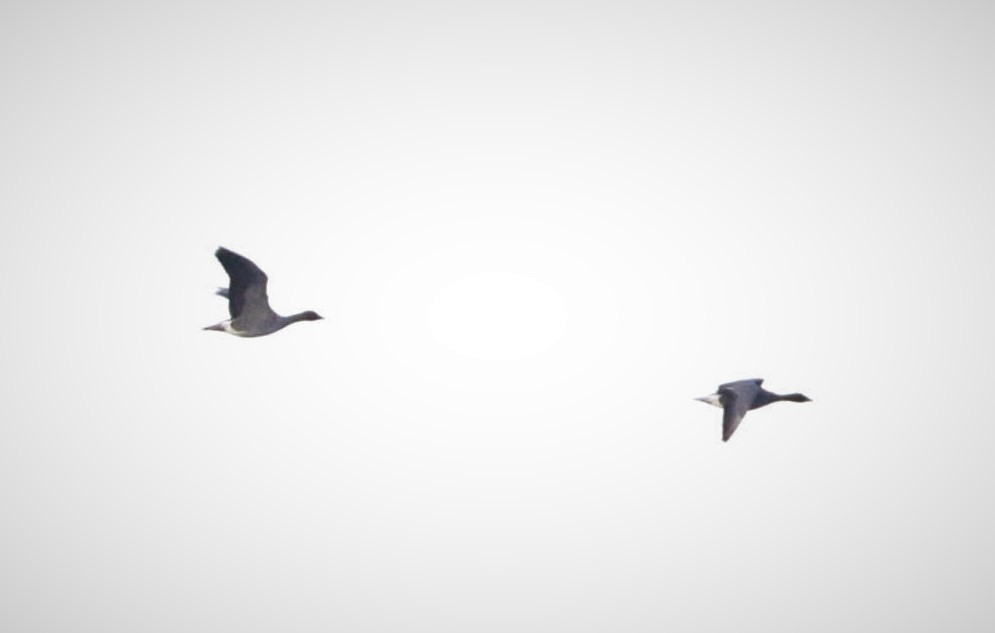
{"x":248,"y":304}
{"x":736,"y":398}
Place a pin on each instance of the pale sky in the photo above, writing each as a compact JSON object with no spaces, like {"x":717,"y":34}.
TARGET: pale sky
{"x":536,"y":231}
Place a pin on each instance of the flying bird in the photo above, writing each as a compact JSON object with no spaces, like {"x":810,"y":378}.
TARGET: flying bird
{"x":736,"y":398}
{"x":248,"y":304}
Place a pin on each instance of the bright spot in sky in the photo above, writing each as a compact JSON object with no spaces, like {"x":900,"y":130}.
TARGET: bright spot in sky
{"x":497,"y":316}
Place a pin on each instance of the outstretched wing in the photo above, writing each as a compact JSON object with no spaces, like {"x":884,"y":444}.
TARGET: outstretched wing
{"x":247,"y":290}
{"x":736,"y":400}
{"x":738,"y":383}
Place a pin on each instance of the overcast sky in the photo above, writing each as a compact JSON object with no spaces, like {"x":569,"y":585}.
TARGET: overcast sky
{"x":536,"y":231}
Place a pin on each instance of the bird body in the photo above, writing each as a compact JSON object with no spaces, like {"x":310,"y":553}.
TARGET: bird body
{"x":248,"y":304}
{"x":736,"y":398}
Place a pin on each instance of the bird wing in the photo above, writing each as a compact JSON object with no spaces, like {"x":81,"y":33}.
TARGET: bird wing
{"x":247,"y":289}
{"x":734,"y":385}
{"x":736,"y":400}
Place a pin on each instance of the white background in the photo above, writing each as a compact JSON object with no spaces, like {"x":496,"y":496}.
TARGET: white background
{"x":536,"y":232}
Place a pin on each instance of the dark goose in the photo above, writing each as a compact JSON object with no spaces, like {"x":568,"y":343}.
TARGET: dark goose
{"x":736,"y":398}
{"x":248,"y":304}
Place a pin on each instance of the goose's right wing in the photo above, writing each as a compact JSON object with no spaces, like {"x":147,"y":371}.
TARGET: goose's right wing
{"x":736,"y":400}
{"x":248,"y":283}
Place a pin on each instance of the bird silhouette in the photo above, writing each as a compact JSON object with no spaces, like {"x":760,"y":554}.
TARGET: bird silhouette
{"x":736,"y":398}
{"x":248,"y":304}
